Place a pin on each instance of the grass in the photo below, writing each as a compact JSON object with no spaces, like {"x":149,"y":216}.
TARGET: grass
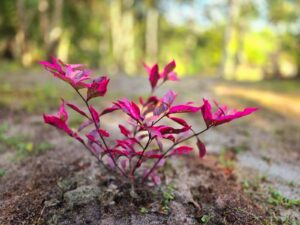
{"x":205,"y":219}
{"x":2,"y":172}
{"x":22,"y":145}
{"x":276,"y":198}
{"x":271,"y":197}
{"x":144,"y":210}
{"x":32,"y":98}
{"x":168,"y":196}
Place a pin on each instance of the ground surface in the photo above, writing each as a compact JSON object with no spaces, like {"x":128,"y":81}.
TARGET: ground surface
{"x":251,"y":174}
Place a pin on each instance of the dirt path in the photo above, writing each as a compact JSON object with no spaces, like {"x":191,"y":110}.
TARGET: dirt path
{"x":232,"y":185}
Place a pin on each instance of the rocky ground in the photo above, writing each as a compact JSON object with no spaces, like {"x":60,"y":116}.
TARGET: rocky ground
{"x":250,"y":176}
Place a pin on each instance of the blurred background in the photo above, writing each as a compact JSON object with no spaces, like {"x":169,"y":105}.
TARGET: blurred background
{"x":244,"y":53}
{"x":233,"y":39}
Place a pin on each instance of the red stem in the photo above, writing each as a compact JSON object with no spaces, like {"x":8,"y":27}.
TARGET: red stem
{"x":102,"y":138}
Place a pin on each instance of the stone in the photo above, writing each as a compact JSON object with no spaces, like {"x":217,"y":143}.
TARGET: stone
{"x":81,"y":195}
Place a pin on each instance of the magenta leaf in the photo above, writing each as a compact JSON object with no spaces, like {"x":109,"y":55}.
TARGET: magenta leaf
{"x":150,"y":154}
{"x":169,"y":137}
{"x":85,"y":124}
{"x":104,"y":133}
{"x":77,"y":109}
{"x":130,"y":108}
{"x":109,"y":110}
{"x":124,"y":130}
{"x":95,"y":114}
{"x":165,"y":103}
{"x":59,"y":121}
{"x":120,"y":152}
{"x":181,"y":150}
{"x":124,"y":163}
{"x":201,"y":148}
{"x":96,"y":148}
{"x":93,"y":136}
{"x":97,"y":88}
{"x":184,"y":109}
{"x":178,"y":120}
{"x":153,"y":75}
{"x":168,"y":73}
{"x":222,"y":114}
{"x":74,"y":74}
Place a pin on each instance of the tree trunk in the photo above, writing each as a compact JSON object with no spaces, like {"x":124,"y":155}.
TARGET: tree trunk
{"x":50,"y":24}
{"x":239,"y":55}
{"x":226,"y":69}
{"x":151,"y":37}
{"x":56,"y":30}
{"x":21,"y":34}
{"x":128,"y":33}
{"x":43,"y":8}
{"x":116,"y":31}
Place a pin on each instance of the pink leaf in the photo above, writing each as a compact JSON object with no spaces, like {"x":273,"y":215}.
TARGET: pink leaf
{"x":104,"y":133}
{"x":168,"y":73}
{"x":124,"y":164}
{"x":184,"y":109}
{"x":59,"y":120}
{"x":151,"y":154}
{"x":98,"y":87}
{"x":165,"y":103}
{"x":124,"y":130}
{"x":85,"y":124}
{"x":74,"y":74}
{"x":201,"y":148}
{"x":95,"y":114}
{"x":179,"y":121}
{"x":153,"y":75}
{"x":222,"y":114}
{"x":77,"y":109}
{"x":130,"y":108}
{"x":109,"y":110}
{"x":93,"y":136}
{"x":181,"y":150}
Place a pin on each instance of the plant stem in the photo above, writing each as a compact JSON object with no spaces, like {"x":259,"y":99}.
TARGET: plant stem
{"x":168,"y":150}
{"x":97,"y":128}
{"x":141,"y":156}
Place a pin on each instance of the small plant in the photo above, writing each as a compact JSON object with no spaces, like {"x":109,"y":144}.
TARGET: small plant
{"x":2,"y":172}
{"x":144,"y":210}
{"x":23,"y":145}
{"x":153,"y":132}
{"x":276,"y":198}
{"x":168,"y":196}
{"x":205,"y":219}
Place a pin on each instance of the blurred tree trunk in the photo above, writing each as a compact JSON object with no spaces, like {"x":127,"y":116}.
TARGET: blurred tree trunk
{"x":43,"y":7}
{"x":21,"y":34}
{"x":123,"y":34}
{"x":239,"y":56}
{"x":227,"y":63}
{"x":50,"y":24}
{"x":116,"y":31}
{"x":151,"y":33}
{"x":275,"y":56}
{"x":129,"y":60}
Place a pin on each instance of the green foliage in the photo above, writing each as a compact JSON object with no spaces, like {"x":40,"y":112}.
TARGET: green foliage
{"x":84,"y":32}
{"x":2,"y":172}
{"x":143,"y":210}
{"x":36,"y":99}
{"x":22,"y":145}
{"x":276,"y":198}
{"x":205,"y":219}
{"x":168,"y":196}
